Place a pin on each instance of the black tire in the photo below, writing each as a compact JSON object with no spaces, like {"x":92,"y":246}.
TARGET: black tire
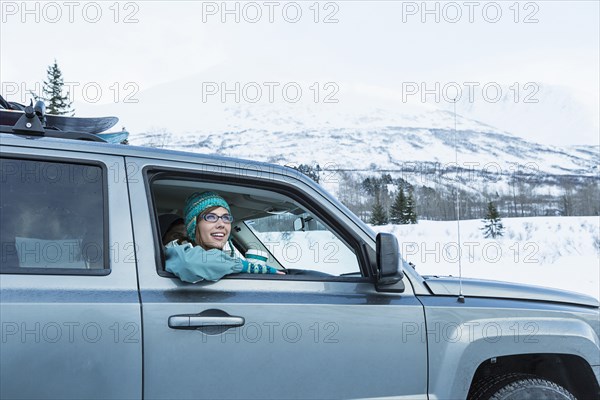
{"x":519,"y":387}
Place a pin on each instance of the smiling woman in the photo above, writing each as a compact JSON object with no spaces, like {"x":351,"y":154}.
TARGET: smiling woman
{"x":213,"y":227}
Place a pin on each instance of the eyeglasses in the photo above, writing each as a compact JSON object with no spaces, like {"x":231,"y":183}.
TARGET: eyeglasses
{"x":211,"y":217}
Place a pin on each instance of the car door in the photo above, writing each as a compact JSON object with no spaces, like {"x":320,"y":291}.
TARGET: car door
{"x":271,"y":336}
{"x":69,"y":306}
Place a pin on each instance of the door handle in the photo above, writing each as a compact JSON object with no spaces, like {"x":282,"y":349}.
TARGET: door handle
{"x":196,"y":321}
{"x":211,"y":321}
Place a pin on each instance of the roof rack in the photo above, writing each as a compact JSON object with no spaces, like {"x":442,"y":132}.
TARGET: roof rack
{"x":54,"y":134}
{"x":29,"y":125}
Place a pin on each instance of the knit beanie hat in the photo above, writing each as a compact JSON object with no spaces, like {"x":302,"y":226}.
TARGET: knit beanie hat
{"x":196,"y":204}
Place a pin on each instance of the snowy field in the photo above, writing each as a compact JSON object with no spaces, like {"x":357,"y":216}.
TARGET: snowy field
{"x":557,"y":252}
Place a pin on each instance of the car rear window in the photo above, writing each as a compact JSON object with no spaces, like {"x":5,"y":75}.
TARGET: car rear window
{"x":51,"y":217}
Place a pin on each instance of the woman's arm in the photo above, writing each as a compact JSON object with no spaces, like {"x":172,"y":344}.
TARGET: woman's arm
{"x":194,"y":264}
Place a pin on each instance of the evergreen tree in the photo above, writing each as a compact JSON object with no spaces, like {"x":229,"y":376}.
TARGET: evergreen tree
{"x":56,"y":103}
{"x":378,"y":214}
{"x":397,"y":209}
{"x":493,"y":223}
{"x":410,"y":214}
{"x":567,"y":206}
{"x":311,"y":172}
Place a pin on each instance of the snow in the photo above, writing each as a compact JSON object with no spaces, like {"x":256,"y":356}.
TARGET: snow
{"x":557,"y":252}
{"x":536,"y":110}
{"x":366,"y":135}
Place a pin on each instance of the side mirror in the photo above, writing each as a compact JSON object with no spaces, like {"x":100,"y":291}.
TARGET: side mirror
{"x":304,"y":224}
{"x":299,"y":224}
{"x":389,"y":272}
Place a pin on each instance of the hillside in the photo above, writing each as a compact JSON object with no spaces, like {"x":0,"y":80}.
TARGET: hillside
{"x":371,"y":139}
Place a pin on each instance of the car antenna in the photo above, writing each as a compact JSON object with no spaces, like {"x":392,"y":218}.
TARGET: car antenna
{"x":461,"y":297}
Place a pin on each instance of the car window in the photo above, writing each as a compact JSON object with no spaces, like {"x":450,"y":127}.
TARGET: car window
{"x":302,"y":242}
{"x":51,"y":217}
{"x":269,"y":221}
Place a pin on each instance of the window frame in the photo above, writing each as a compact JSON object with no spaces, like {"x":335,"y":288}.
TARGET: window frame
{"x":106,"y":270}
{"x":156,"y":172}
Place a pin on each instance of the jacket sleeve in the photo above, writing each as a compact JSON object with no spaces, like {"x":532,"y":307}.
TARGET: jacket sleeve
{"x":194,"y":264}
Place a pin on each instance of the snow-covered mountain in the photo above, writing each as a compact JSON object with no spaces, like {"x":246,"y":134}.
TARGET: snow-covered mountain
{"x":341,"y":125}
{"x":371,"y":139}
{"x":544,"y":113}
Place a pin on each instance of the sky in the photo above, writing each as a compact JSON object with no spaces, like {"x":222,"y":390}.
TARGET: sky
{"x":530,"y":68}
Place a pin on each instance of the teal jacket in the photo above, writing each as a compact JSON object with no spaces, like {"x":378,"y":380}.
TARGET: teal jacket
{"x":194,"y":264}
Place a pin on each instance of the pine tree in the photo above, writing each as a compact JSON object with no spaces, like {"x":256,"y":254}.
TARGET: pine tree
{"x":410,"y":214}
{"x":567,"y":205}
{"x":310,"y":171}
{"x":378,"y":214}
{"x":493,"y":223}
{"x":56,"y":103}
{"x":397,"y":209}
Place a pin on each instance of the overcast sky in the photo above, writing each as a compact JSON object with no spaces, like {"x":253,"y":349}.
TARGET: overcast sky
{"x":383,"y":45}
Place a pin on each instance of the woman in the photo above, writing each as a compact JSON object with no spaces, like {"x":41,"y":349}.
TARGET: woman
{"x":208,"y":223}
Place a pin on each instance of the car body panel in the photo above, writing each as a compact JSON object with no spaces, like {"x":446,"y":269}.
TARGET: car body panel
{"x":291,"y":327}
{"x":496,"y":289}
{"x":75,"y":336}
{"x":461,"y":336}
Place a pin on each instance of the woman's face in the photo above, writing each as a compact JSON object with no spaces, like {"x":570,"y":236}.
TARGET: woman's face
{"x":213,"y":235}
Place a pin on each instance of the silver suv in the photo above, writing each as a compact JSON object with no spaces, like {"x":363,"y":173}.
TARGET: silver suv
{"x":88,"y":311}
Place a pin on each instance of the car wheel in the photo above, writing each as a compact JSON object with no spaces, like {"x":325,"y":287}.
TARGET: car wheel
{"x":519,"y":387}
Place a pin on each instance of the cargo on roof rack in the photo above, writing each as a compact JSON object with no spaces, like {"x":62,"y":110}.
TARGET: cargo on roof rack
{"x":29,"y":125}
{"x":33,"y":121}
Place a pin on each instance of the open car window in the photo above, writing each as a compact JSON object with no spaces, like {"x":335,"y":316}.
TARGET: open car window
{"x":296,"y":241}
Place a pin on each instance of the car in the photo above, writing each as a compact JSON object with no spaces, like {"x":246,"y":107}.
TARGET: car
{"x":88,"y":310}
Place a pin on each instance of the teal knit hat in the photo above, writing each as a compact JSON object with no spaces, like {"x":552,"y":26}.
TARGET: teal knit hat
{"x":196,"y":204}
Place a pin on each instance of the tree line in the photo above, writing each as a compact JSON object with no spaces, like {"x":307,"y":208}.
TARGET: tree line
{"x":377,"y":196}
